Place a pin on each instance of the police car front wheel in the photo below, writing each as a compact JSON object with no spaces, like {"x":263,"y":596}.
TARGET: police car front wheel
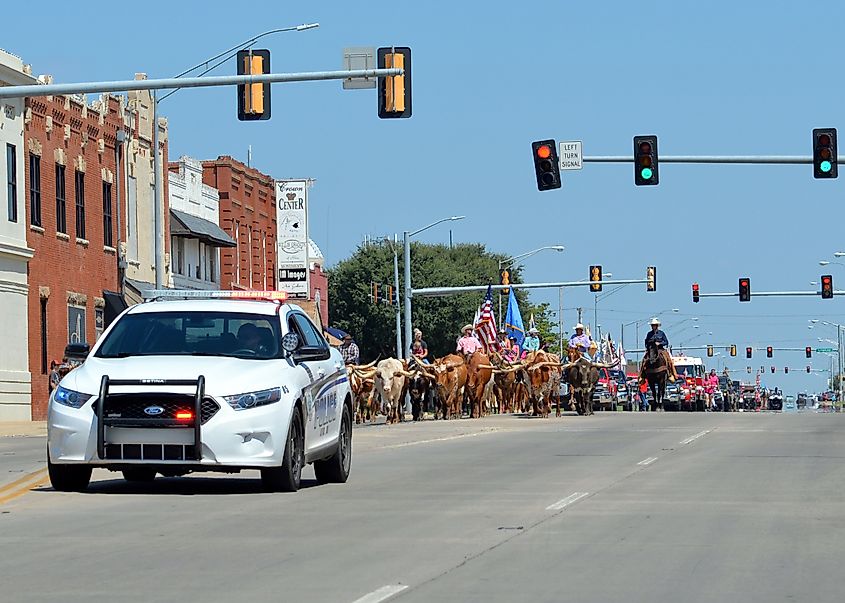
{"x":286,"y":477}
{"x":68,"y":478}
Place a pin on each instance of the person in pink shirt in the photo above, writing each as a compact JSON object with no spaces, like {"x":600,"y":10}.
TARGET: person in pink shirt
{"x":468,"y":344}
{"x":711,"y":384}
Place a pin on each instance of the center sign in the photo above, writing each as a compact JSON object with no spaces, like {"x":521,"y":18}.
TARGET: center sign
{"x":570,"y":155}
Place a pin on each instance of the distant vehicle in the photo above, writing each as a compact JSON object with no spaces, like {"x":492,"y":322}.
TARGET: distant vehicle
{"x":604,"y":395}
{"x":690,"y":371}
{"x":775,"y":402}
{"x":789,"y":404}
{"x":748,"y":397}
{"x":623,"y":393}
{"x":802,"y":401}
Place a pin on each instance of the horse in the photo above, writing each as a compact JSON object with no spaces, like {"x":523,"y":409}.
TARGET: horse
{"x":656,"y":371}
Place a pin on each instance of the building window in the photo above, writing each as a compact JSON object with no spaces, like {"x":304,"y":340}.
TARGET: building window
{"x":61,"y":206}
{"x":76,"y":324}
{"x":212,"y":264}
{"x":80,"y":204}
{"x":99,"y":321}
{"x":108,"y":239}
{"x":43,"y":335}
{"x":34,"y":190}
{"x":178,"y":244}
{"x":238,"y":252}
{"x":12,"y":184}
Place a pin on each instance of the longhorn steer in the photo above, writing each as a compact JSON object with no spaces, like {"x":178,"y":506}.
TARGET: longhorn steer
{"x":391,"y":385}
{"x":582,"y":376}
{"x":450,"y":374}
{"x":479,"y":386}
{"x":421,"y":387}
{"x":362,"y":383}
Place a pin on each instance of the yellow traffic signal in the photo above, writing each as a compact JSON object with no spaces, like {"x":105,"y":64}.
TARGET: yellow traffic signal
{"x":733,"y":349}
{"x":595,"y":277}
{"x":253,"y":99}
{"x":651,"y":278}
{"x":506,"y":280}
{"x":394,"y":91}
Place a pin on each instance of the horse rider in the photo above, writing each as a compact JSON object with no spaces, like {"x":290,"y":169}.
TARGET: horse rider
{"x":582,"y":342}
{"x":468,"y":344}
{"x":657,"y":339}
{"x":531,"y":343}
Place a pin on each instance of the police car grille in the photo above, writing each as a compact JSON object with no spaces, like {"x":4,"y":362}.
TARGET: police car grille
{"x":134,"y":406}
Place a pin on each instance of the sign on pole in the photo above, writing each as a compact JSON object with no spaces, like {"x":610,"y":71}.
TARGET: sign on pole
{"x":825,"y":350}
{"x":570,"y":155}
{"x":292,"y":237}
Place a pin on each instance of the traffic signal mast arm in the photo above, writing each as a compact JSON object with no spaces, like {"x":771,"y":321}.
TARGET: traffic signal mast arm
{"x":768,"y":294}
{"x":752,"y":159}
{"x":435,"y":291}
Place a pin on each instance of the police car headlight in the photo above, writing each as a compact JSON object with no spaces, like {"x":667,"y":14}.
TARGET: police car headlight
{"x":68,"y":397}
{"x":253,"y":399}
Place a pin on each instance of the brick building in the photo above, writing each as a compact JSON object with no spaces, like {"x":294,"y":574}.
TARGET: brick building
{"x":248,"y":215}
{"x":73,"y":217}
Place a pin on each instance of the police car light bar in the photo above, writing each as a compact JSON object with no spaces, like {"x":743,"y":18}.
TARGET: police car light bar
{"x":154,"y":294}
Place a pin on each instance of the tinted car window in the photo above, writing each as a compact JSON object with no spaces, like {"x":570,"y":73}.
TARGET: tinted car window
{"x":309,"y":334}
{"x":193,"y":334}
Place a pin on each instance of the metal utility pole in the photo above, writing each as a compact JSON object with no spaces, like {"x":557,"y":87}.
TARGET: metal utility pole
{"x":406,"y":258}
{"x":400,"y":354}
{"x":560,"y":317}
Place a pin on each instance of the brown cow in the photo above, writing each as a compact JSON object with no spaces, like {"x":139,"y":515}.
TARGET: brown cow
{"x":543,"y":372}
{"x":479,"y":375}
{"x":450,"y":373}
{"x":362,"y":382}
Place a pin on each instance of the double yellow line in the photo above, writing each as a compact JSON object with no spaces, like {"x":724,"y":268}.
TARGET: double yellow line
{"x":21,"y":486}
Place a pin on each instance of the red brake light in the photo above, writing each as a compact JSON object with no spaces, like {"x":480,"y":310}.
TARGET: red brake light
{"x":184,"y":415}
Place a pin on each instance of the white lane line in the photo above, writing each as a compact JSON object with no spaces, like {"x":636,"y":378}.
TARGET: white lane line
{"x":565,"y":502}
{"x":648,"y":461}
{"x":382,"y":594}
{"x":695,"y":437}
{"x":445,"y":438}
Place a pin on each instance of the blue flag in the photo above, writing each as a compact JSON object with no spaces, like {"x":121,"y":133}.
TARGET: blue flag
{"x":513,"y":320}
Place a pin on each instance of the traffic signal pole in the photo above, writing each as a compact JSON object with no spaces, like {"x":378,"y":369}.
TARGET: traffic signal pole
{"x":747,"y":159}
{"x":440,"y":291}
{"x":770,"y":294}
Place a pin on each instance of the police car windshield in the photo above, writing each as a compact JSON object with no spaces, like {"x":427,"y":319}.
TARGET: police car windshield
{"x":251,"y":336}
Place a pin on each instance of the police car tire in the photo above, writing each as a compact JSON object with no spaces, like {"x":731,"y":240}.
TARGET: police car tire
{"x":139,"y":474}
{"x":336,"y":468}
{"x":286,"y":478}
{"x":68,"y":478}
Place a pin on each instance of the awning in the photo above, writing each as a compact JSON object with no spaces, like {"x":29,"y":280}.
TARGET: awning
{"x":133,"y":291}
{"x":183,"y":224}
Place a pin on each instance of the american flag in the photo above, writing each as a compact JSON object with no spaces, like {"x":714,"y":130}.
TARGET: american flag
{"x":485,"y":326}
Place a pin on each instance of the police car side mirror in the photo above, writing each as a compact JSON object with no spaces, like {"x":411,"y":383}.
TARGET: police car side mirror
{"x":290,"y":342}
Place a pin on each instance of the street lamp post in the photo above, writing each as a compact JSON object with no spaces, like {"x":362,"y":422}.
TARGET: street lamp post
{"x":157,"y":171}
{"x":839,"y":328}
{"x":406,"y":239}
{"x":509,"y":261}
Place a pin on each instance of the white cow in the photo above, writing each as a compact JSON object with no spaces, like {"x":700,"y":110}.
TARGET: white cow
{"x":390,"y":386}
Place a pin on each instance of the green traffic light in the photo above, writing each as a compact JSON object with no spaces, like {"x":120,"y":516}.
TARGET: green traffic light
{"x":646,"y":173}
{"x":825,"y":166}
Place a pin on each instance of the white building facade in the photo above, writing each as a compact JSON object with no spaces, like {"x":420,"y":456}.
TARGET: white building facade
{"x":15,"y":379}
{"x":195,"y":234}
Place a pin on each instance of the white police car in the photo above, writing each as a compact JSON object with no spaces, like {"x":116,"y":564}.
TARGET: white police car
{"x":204,"y":381}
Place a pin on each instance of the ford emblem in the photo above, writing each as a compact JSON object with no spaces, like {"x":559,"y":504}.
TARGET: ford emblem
{"x":153,"y":410}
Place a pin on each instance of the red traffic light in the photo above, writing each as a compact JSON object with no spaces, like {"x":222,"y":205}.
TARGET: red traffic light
{"x":769,"y":351}
{"x":544,"y":152}
{"x":808,"y":351}
{"x":827,"y":286}
{"x":748,"y":352}
{"x":695,"y":293}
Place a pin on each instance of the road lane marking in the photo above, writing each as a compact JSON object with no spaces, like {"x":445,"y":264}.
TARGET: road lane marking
{"x":23,"y":485}
{"x":382,"y":594}
{"x":648,"y":461}
{"x":696,"y":436}
{"x":565,"y":502}
{"x":444,"y":439}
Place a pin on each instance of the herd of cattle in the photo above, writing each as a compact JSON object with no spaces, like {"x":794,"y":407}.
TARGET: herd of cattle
{"x":481,"y":383}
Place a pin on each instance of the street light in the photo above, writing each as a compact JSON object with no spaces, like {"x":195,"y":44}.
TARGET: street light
{"x":642,"y":320}
{"x":839,"y":254}
{"x":157,"y":175}
{"x":509,"y":261}
{"x":827,"y":263}
{"x":406,"y":236}
{"x":839,"y":328}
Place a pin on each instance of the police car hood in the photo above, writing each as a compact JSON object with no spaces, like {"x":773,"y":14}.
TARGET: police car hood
{"x":223,"y":376}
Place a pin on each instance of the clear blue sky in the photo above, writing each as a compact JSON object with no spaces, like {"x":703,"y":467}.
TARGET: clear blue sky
{"x":490,"y":77}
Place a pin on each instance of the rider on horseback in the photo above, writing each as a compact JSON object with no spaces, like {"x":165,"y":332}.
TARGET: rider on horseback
{"x":582,"y":342}
{"x":657,"y":339}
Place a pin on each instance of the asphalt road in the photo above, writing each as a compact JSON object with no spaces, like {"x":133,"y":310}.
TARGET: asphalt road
{"x":616,"y":507}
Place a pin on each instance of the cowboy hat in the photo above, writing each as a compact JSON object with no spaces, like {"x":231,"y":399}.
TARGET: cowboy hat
{"x":466,"y":327}
{"x":655,"y":321}
{"x":533,"y":330}
{"x":579,"y":326}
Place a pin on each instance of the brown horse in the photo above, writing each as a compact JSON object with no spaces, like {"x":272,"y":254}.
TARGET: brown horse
{"x":656,"y":371}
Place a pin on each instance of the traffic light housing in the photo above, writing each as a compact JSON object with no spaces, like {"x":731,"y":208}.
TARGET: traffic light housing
{"x":645,"y":161}
{"x":769,"y":352}
{"x":695,"y":293}
{"x":808,"y":369}
{"x":253,"y":99}
{"x":710,"y":350}
{"x":773,"y":369}
{"x":824,"y":153}
{"x":651,"y":278}
{"x":827,"y":286}
{"x":748,"y":352}
{"x":786,"y":369}
{"x":546,"y":164}
{"x":808,"y":351}
{"x":506,"y":280}
{"x":733,"y":350}
{"x":394,"y":91}
{"x":595,"y":278}
{"x":744,"y":289}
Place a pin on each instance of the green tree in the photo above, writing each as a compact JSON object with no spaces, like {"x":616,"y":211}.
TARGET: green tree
{"x":352,"y":308}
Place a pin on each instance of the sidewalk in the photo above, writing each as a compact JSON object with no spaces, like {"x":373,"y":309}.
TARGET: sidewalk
{"x":23,"y":428}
